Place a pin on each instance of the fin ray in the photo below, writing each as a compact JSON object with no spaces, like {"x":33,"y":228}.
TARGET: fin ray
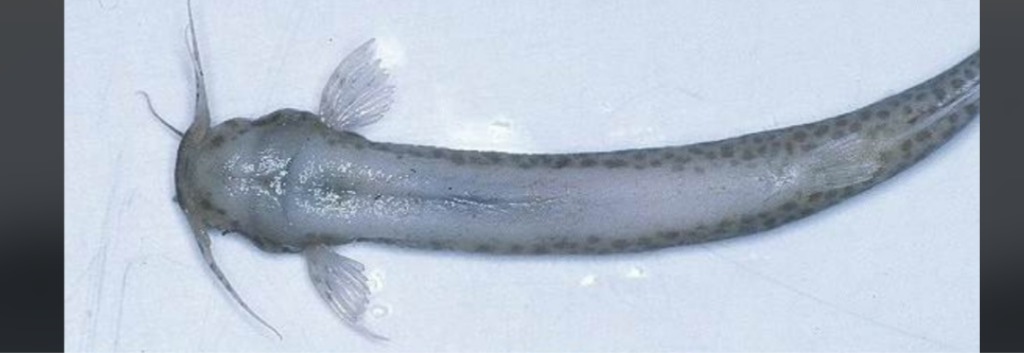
{"x":341,"y":282}
{"x":358,"y":93}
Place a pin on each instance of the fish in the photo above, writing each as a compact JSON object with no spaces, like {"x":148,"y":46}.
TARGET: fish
{"x":294,"y":181}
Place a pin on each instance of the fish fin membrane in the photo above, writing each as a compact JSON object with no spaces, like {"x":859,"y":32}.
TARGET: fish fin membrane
{"x":358,"y":92}
{"x":839,"y":163}
{"x":341,"y":282}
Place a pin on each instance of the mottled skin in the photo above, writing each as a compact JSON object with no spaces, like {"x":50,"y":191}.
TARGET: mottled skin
{"x":294,"y":181}
{"x":899,"y":130}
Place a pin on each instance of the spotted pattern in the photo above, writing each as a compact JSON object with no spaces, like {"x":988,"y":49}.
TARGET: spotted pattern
{"x":878,"y":120}
{"x":899,"y":124}
{"x":881,"y":121}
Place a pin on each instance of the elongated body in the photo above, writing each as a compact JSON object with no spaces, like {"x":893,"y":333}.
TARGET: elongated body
{"x":295,"y":181}
{"x":287,"y":180}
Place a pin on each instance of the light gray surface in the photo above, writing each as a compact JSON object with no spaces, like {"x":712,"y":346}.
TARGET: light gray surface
{"x":896,"y":269}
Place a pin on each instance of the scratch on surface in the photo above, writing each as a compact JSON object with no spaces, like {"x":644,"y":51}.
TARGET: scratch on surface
{"x":120,"y":307}
{"x":115,"y":207}
{"x":823,"y":302}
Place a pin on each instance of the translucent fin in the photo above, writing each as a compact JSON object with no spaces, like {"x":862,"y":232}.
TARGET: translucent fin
{"x":358,"y":93}
{"x":203,"y":240}
{"x":341,"y":282}
{"x":840,"y":163}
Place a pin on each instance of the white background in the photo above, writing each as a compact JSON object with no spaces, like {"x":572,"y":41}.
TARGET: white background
{"x":896,"y":269}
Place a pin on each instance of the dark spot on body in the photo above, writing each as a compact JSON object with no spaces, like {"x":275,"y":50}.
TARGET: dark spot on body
{"x":821,"y":130}
{"x":790,"y":206}
{"x":831,"y":194}
{"x":948,"y":133}
{"x":593,"y":240}
{"x":884,"y":114}
{"x":437,"y":153}
{"x":800,"y":136}
{"x":669,"y":235}
{"x":971,"y":109}
{"x":216,"y":141}
{"x":546,"y":159}
{"x":560,"y":245}
{"x":656,"y":163}
{"x":588,"y":162}
{"x":457,"y":158}
{"x":923,"y":135}
{"x":906,"y":146}
{"x":535,"y":160}
{"x":748,"y":155}
{"x":728,"y":151}
{"x":815,"y":197}
{"x":908,"y":110}
{"x":644,"y":242}
{"x":495,"y":158}
{"x":855,"y":127}
{"x":478,"y":159}
{"x":620,"y":243}
{"x":615,"y":163}
{"x":562,"y":162}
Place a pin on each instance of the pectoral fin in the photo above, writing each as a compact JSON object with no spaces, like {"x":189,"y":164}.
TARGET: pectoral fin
{"x":341,"y":282}
{"x":358,"y":93}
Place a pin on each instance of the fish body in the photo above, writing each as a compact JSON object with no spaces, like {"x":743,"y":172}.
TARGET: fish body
{"x":296,"y":181}
{"x":288,"y":179}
